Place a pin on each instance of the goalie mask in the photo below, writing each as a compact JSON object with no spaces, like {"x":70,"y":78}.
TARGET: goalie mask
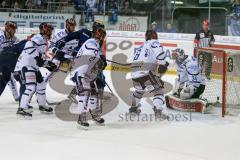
{"x":100,"y":35}
{"x":150,"y":34}
{"x":70,"y":25}
{"x":10,"y":29}
{"x":46,"y":29}
{"x":178,"y":55}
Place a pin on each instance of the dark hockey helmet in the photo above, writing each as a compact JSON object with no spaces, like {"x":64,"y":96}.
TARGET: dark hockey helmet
{"x":70,"y":24}
{"x":10,"y":28}
{"x":150,"y":34}
{"x":178,"y":54}
{"x":46,"y":29}
{"x":97,"y":24}
{"x":11,"y":24}
{"x":99,"y":34}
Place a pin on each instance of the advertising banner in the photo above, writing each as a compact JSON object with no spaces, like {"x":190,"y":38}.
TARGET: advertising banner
{"x":32,"y":20}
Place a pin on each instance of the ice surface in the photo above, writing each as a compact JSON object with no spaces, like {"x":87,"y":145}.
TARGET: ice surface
{"x":205,"y":137}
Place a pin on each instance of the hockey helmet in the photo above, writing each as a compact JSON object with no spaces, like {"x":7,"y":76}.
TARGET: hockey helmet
{"x":150,"y":34}
{"x":10,"y":28}
{"x":46,"y":29}
{"x":70,"y":24}
{"x":97,"y":24}
{"x":178,"y":54}
{"x":99,"y":34}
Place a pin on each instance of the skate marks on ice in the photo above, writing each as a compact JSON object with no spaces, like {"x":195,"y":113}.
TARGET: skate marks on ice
{"x":62,"y":110}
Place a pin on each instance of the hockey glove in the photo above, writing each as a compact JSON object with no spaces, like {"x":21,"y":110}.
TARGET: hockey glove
{"x":60,"y":55}
{"x":51,"y":66}
{"x":39,"y":77}
{"x":60,"y":44}
{"x":162,"y":69}
{"x":104,"y":61}
{"x":39,"y":61}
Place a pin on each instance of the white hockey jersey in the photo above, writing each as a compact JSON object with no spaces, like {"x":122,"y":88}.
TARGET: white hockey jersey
{"x":4,"y":42}
{"x":147,"y":58}
{"x":87,"y":59}
{"x":189,"y":72}
{"x":59,"y":35}
{"x":37,"y":46}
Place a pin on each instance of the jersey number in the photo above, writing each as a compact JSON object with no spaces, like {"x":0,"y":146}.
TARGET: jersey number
{"x":137,"y":54}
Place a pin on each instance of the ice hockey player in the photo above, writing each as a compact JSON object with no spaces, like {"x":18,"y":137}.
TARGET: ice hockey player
{"x":7,"y":39}
{"x":29,"y":61}
{"x":79,"y":35}
{"x":82,"y":35}
{"x":205,"y":38}
{"x":91,"y":63}
{"x":189,"y":85}
{"x":146,"y":60}
{"x":57,"y":58}
{"x":8,"y":60}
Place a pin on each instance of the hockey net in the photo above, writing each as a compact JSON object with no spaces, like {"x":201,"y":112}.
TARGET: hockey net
{"x":221,"y":69}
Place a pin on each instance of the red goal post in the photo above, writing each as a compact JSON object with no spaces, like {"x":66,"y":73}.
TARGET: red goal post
{"x":222,"y":76}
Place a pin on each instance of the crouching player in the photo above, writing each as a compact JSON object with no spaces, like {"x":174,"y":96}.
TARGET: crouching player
{"x":146,"y":60}
{"x":90,"y":62}
{"x":189,"y":85}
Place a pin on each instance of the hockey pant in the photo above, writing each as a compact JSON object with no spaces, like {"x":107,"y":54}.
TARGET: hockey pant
{"x":30,"y":79}
{"x":205,"y":61}
{"x":191,"y":91}
{"x":149,"y":81}
{"x":86,"y":95}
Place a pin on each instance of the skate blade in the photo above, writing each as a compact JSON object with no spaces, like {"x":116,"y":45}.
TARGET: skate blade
{"x":99,"y":124}
{"x":47,"y":113}
{"x":21,"y":117}
{"x":84,"y":128}
{"x":30,"y":111}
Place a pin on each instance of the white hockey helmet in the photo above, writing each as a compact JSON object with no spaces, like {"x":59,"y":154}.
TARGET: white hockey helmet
{"x":178,"y":54}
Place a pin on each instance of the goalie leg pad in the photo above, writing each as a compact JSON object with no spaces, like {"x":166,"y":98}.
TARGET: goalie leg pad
{"x":190,"y":105}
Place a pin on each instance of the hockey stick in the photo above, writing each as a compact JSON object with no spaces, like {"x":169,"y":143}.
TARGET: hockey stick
{"x":109,"y":88}
{"x":122,"y":64}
